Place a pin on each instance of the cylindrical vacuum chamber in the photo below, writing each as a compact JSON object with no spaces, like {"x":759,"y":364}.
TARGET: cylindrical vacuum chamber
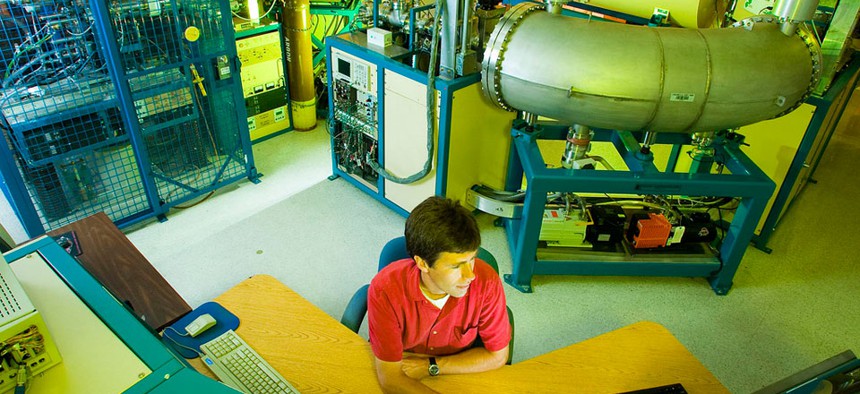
{"x":665,"y":79}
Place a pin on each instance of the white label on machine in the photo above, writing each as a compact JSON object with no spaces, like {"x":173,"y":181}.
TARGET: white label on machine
{"x":682,"y":97}
{"x":677,"y":234}
{"x":359,"y":76}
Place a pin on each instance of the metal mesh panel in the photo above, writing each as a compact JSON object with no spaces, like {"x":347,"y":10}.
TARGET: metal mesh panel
{"x":206,"y":16}
{"x":61,"y":117}
{"x":152,"y":33}
{"x":52,"y":73}
{"x":162,"y":99}
{"x":147,"y":34}
{"x":71,"y":187}
{"x":193,"y":156}
{"x":188,"y":123}
{"x":45,"y":42}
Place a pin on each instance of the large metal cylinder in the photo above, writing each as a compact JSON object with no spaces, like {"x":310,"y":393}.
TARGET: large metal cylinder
{"x":633,"y":78}
{"x":296,"y":24}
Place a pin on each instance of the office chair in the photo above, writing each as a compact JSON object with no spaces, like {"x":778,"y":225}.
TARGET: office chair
{"x":394,"y":250}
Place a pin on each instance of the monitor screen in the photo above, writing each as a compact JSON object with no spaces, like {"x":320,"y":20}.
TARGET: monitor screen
{"x":343,"y":67}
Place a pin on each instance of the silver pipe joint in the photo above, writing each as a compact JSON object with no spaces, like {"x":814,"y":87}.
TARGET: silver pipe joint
{"x":793,"y":12}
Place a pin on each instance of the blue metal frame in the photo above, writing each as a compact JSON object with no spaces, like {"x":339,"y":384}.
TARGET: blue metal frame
{"x":446,"y":89}
{"x":822,"y":108}
{"x":746,"y":181}
{"x":351,"y":12}
{"x":412,"y":12}
{"x":165,"y":365}
{"x":110,"y":46}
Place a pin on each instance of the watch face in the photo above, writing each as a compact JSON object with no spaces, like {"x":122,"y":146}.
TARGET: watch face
{"x":434,"y":369}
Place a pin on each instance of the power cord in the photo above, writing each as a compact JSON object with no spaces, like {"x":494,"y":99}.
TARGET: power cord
{"x":177,"y":332}
{"x":175,"y":342}
{"x":431,"y":109}
{"x":22,"y":379}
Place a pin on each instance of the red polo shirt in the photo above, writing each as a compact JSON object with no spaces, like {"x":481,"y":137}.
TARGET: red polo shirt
{"x":401,"y":319}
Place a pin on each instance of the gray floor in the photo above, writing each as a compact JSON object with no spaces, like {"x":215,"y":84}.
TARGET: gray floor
{"x":787,"y":310}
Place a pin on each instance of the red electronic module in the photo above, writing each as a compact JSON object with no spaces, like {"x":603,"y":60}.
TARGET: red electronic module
{"x":653,"y":231}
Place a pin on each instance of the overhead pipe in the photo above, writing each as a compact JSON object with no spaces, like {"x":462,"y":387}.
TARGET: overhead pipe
{"x":296,"y":25}
{"x":793,"y":12}
{"x":448,"y":40}
{"x":554,"y":6}
{"x":638,"y":78}
{"x":466,"y":31}
{"x":685,"y":13}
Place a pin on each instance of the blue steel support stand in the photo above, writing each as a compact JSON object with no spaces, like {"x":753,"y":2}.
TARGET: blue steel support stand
{"x":801,"y":158}
{"x":247,"y":155}
{"x":745,"y":181}
{"x":110,"y":46}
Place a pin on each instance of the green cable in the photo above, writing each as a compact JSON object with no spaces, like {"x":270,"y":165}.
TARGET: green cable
{"x":18,"y":53}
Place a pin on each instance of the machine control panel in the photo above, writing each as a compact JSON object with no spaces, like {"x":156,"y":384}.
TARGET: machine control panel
{"x":355,"y":106}
{"x":354,"y":71}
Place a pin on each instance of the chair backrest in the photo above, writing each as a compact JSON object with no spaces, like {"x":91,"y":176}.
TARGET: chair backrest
{"x":395,"y":249}
{"x":392,"y":251}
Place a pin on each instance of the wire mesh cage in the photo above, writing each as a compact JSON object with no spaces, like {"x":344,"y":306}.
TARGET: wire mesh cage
{"x":126,"y":107}
{"x":179,"y":106}
{"x":60,"y":116}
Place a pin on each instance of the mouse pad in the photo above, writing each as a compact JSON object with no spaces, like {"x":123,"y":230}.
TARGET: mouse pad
{"x":189,"y":347}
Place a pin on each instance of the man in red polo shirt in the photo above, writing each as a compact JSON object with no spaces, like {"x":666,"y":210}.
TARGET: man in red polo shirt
{"x":426,"y":313}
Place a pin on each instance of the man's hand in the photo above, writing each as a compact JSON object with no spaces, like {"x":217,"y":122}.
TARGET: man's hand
{"x":415,"y":366}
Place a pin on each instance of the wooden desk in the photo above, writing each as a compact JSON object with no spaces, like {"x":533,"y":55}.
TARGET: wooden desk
{"x":112,"y":259}
{"x":318,"y":354}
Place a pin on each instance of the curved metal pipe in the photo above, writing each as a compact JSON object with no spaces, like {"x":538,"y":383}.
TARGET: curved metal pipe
{"x":634,"y":78}
{"x":399,"y":15}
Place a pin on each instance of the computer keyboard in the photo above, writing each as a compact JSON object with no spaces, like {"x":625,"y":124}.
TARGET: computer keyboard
{"x":240,"y":367}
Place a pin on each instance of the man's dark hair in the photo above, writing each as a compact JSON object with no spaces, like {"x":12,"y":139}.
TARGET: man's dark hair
{"x":439,"y":225}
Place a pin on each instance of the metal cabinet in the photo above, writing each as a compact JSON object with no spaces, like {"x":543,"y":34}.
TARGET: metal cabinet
{"x":378,"y":117}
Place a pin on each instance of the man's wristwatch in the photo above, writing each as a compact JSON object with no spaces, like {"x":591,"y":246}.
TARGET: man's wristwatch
{"x":434,"y":368}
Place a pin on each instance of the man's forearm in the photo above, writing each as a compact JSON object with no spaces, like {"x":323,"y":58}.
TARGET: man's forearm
{"x":477,"y":359}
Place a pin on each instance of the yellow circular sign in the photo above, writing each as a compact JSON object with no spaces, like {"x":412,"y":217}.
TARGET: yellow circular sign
{"x":192,"y":33}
